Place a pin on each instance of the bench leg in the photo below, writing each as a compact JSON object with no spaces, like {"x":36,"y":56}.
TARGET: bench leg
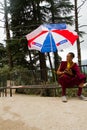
{"x":55,"y":92}
{"x":10,"y":92}
{"x":5,"y":92}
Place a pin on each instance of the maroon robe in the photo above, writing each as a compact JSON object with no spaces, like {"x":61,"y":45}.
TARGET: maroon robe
{"x":70,"y":81}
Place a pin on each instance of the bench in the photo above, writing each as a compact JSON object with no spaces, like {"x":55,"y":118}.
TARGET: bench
{"x":42,"y":87}
{"x":3,"y":91}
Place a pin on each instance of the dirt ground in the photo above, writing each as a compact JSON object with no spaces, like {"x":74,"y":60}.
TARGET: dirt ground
{"x":23,"y":112}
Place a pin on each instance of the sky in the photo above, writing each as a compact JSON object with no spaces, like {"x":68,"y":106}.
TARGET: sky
{"x":82,"y":21}
{"x":83,"y":45}
{"x":2,"y":30}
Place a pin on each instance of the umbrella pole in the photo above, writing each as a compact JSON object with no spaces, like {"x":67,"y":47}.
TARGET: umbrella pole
{"x":53,"y":75}
{"x":31,"y":64}
{"x":43,"y":67}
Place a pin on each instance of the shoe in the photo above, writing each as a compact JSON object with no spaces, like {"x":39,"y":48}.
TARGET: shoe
{"x":82,"y":97}
{"x":85,"y":84}
{"x":64,"y":99}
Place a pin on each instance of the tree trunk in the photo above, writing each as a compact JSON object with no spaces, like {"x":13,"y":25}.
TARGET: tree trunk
{"x":34,"y":11}
{"x":31,"y":65}
{"x":43,"y":67}
{"x":77,"y":30}
{"x":8,"y":36}
{"x":56,"y":62}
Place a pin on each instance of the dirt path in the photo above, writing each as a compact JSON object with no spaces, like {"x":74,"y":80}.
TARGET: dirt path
{"x":23,"y":112}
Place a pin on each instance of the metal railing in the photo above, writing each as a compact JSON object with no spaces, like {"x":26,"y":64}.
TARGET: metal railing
{"x":31,"y":77}
{"x":83,"y":69}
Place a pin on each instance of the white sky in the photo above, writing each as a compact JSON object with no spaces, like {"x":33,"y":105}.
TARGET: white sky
{"x":2,"y":30}
{"x":82,"y":21}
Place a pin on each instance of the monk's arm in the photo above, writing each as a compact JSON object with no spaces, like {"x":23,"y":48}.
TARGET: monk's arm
{"x":59,"y":72}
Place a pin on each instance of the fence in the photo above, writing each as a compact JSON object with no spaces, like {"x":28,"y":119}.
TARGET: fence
{"x":30,"y":77}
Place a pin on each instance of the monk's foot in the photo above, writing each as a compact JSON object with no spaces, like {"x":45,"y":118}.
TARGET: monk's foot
{"x":81,"y":97}
{"x":64,"y":99}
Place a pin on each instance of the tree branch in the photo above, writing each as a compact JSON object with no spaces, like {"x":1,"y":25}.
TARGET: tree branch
{"x":2,"y":9}
{"x":83,"y":2}
{"x":2,"y":27}
{"x":1,"y":12}
{"x":2,"y":21}
{"x":82,"y":26}
{"x":82,"y":41}
{"x":2,"y":5}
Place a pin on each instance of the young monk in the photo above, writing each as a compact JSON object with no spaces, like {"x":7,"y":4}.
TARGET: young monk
{"x":69,"y":76}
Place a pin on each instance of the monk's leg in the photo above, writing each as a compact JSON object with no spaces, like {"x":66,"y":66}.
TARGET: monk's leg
{"x":63,"y":90}
{"x":82,"y":97}
{"x":79,"y":91}
{"x":64,"y":99}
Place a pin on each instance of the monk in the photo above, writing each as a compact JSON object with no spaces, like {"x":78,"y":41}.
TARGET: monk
{"x":69,"y":76}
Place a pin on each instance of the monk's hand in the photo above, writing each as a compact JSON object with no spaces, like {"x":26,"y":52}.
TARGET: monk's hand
{"x":68,"y":71}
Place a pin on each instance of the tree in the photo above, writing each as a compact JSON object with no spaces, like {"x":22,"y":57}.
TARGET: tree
{"x":3,"y":57}
{"x":77,"y":28}
{"x":4,"y":11}
{"x":60,"y":13}
{"x":7,"y":35}
{"x":34,"y":7}
{"x":27,"y":15}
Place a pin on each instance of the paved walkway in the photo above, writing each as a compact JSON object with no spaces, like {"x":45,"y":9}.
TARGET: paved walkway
{"x":23,"y":112}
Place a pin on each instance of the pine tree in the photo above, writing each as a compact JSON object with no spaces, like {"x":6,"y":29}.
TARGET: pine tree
{"x":27,"y":15}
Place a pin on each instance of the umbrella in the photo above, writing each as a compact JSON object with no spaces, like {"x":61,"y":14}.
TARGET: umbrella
{"x":51,"y":37}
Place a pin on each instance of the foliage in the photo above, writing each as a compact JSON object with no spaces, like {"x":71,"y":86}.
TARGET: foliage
{"x":3,"y":57}
{"x":26,"y":15}
{"x":60,"y":11}
{"x":4,"y":74}
{"x":19,"y":51}
{"x":4,"y":70}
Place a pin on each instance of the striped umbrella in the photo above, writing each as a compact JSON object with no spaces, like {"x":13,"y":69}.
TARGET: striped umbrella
{"x":51,"y":37}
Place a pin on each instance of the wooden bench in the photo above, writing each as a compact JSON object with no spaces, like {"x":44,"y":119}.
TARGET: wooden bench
{"x":3,"y":91}
{"x":42,"y":87}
